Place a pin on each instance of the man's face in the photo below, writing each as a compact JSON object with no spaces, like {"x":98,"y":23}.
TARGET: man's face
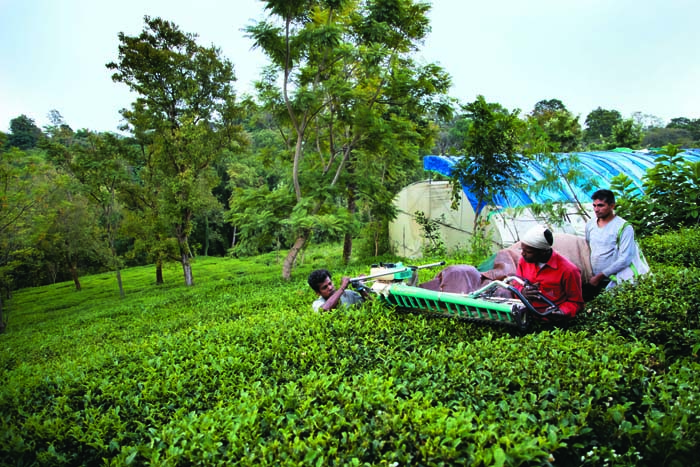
{"x":326,"y":289}
{"x":602,"y":209}
{"x":532,"y":255}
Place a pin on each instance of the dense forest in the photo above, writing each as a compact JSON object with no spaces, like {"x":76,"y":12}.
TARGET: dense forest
{"x":338,"y":125}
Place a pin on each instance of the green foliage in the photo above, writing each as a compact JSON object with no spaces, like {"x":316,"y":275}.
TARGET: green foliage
{"x":678,"y":248}
{"x":353,"y":103}
{"x":625,"y":134}
{"x":657,"y":137}
{"x":561,"y":172}
{"x":662,"y":308}
{"x":185,"y":116}
{"x":259,"y":230}
{"x":490,"y":164}
{"x":26,"y":212}
{"x":599,"y":125}
{"x":24,"y":134}
{"x":692,"y":126}
{"x":239,"y":370}
{"x":671,"y":196}
{"x":435,"y":246}
{"x":552,"y":128}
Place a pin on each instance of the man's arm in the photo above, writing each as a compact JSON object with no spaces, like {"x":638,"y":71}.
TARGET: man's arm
{"x":625,"y":252}
{"x":333,"y":300}
{"x":571,"y":281}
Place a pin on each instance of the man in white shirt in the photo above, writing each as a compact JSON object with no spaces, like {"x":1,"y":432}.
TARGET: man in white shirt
{"x":615,"y":256}
{"x":328,"y":296}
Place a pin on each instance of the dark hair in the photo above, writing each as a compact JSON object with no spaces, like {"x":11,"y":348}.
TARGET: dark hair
{"x":317,"y":277}
{"x":549,"y":236}
{"x":604,"y":195}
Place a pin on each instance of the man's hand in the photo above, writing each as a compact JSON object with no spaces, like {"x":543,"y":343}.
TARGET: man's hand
{"x":597,"y":279}
{"x":531,"y":291}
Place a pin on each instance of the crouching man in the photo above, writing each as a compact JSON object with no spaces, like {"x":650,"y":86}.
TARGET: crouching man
{"x":328,"y":296}
{"x":550,"y":274}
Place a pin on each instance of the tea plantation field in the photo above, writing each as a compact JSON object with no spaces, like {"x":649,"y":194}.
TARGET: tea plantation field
{"x":238,"y":370}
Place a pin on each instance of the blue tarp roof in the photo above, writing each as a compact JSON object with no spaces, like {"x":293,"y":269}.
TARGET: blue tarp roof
{"x":599,"y":167}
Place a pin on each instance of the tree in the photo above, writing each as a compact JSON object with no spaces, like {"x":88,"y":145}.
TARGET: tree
{"x":599,"y":125}
{"x":353,"y":98}
{"x":73,"y":237}
{"x":452,"y":135}
{"x":686,"y":124}
{"x":26,"y":182}
{"x":658,"y":137}
{"x":186,"y":106}
{"x":24,"y":134}
{"x":647,"y":121}
{"x":548,"y":106}
{"x":491,"y":164}
{"x":562,"y":129}
{"x":100,"y":166}
{"x":671,"y":196}
{"x":626,"y":134}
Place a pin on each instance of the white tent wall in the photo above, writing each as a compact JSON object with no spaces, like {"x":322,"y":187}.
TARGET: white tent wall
{"x":512,"y":224}
{"x":434,"y":199}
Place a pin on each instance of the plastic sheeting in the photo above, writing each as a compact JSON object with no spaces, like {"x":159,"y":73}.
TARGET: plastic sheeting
{"x":598,"y":167}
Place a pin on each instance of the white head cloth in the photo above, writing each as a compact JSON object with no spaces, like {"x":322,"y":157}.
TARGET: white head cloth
{"x":535,"y":238}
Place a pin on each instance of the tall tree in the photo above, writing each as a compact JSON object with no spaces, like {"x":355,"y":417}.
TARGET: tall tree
{"x":26,"y":182}
{"x":187,"y":105}
{"x":346,"y":74}
{"x":562,"y":128}
{"x":101,"y":167}
{"x":491,"y":163}
{"x":626,"y":134}
{"x":547,"y":106}
{"x":24,"y":134}
{"x":599,"y":124}
{"x":687,"y":124}
{"x":73,"y":239}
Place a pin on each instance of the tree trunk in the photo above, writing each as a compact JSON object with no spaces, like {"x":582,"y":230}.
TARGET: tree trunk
{"x":187,"y":268}
{"x":206,"y":235}
{"x":159,"y":272}
{"x":119,"y":282}
{"x":185,"y":256}
{"x":115,"y":260}
{"x":292,"y":255}
{"x":2,"y":316}
{"x":347,"y":241}
{"x":74,"y":275}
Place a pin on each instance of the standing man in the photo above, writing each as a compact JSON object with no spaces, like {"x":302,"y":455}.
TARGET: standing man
{"x":549,"y":273}
{"x":615,"y":255}
{"x":328,"y":296}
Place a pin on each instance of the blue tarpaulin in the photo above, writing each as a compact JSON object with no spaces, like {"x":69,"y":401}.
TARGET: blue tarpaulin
{"x":598,"y":168}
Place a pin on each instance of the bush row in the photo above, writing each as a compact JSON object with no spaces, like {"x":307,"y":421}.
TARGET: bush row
{"x":678,"y":248}
{"x":367,"y":386}
{"x":239,"y":370}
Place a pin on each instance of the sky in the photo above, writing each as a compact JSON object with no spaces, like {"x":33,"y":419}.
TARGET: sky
{"x":626,"y":55}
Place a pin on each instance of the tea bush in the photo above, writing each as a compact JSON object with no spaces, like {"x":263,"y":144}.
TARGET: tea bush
{"x":239,"y":370}
{"x":679,"y":248}
{"x":662,"y":308}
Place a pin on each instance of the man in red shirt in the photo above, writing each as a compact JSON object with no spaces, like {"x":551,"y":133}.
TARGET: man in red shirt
{"x":549,"y":273}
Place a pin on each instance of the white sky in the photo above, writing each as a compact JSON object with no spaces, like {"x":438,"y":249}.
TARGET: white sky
{"x":627,"y":55}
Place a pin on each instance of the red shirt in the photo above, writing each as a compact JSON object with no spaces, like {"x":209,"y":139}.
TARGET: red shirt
{"x":560,"y":281}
